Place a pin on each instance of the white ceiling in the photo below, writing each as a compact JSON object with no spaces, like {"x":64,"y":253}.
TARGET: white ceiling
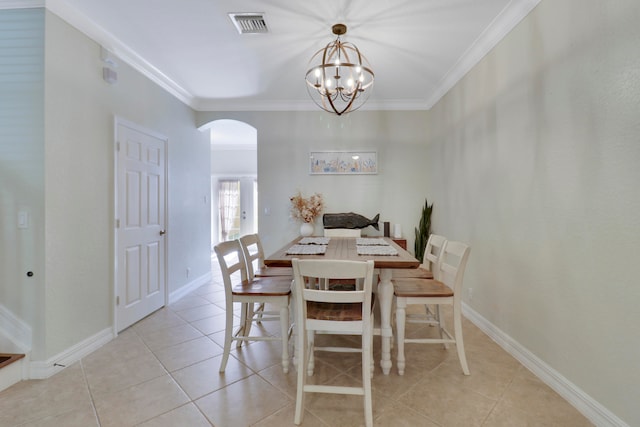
{"x":418,"y":49}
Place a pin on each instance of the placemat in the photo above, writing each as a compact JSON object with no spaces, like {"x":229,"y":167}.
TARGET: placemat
{"x":376,"y":250}
{"x":363,"y":241}
{"x":307,"y":250}
{"x":314,"y":241}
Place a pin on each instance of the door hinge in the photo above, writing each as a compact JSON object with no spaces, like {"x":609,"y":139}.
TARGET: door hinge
{"x":118,"y":300}
{"x":117,"y":223}
{"x":117,"y":146}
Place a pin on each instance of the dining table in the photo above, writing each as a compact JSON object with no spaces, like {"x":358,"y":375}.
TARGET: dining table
{"x":386,"y":256}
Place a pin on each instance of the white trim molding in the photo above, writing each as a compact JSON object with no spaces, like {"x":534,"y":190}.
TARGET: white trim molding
{"x":15,"y":330}
{"x":112,"y":44}
{"x":189,"y":287}
{"x":506,"y":21}
{"x":44,"y":369}
{"x":587,"y":405}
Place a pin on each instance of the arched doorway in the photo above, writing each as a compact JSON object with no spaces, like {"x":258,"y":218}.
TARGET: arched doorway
{"x":234,"y":177}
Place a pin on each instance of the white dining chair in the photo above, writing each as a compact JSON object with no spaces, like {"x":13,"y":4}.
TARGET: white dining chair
{"x":445,"y":290}
{"x":336,"y":313}
{"x":342,"y":232}
{"x":238,"y":288}
{"x":431,"y":257}
{"x":254,"y":256}
{"x":426,"y":270}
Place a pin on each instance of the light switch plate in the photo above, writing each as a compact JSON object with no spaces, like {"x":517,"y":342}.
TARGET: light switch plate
{"x":23,"y":219}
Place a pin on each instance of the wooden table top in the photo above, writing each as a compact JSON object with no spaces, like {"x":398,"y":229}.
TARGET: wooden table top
{"x":345,"y":248}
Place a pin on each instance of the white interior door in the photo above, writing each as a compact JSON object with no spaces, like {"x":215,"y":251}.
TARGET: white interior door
{"x":140,"y":223}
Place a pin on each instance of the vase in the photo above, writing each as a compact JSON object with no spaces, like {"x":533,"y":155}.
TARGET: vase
{"x":306,"y":229}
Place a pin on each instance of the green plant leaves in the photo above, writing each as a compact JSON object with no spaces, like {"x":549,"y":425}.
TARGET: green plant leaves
{"x":423,"y":230}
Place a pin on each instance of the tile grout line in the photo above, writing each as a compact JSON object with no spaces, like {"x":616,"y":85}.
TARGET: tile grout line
{"x":86,"y":382}
{"x":190,"y":401}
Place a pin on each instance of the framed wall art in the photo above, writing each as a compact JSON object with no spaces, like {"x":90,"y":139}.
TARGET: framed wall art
{"x":343,"y":162}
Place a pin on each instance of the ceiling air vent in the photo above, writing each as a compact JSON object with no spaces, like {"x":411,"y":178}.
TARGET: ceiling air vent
{"x":249,"y":23}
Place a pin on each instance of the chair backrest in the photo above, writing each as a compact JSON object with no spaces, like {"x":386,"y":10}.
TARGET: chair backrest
{"x":253,"y":253}
{"x":232,"y":264}
{"x":432,"y":253}
{"x":453,"y":262}
{"x":342,"y":232}
{"x":312,"y":270}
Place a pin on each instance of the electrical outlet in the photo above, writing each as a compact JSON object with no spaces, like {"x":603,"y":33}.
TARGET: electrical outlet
{"x":470,"y":293}
{"x":188,"y":272}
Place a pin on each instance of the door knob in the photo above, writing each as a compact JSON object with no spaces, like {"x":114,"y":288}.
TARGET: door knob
{"x":162,"y":232}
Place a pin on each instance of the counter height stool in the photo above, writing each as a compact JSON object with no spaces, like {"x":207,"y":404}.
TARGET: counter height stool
{"x":254,"y":256}
{"x":430,"y":259}
{"x":446,"y":290}
{"x":337,"y":313}
{"x":275,"y":291}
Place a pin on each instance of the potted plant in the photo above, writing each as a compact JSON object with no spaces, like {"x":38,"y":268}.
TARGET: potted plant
{"x":423,"y":230}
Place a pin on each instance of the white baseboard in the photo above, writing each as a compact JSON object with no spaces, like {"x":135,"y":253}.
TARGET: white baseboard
{"x":44,"y":369}
{"x":15,"y":331}
{"x":589,"y":407}
{"x":189,"y":287}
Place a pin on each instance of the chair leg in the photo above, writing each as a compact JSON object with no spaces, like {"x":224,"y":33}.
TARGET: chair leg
{"x":366,"y":378}
{"x":228,"y":336}
{"x":302,"y":349}
{"x":441,"y":325}
{"x":311,"y":352}
{"x":284,"y":334}
{"x":259,"y":311}
{"x":248,"y":320}
{"x":243,"y":324}
{"x":457,"y":330}
{"x":400,"y":325}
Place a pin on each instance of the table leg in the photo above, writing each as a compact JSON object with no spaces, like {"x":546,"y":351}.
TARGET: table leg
{"x":385,"y":298}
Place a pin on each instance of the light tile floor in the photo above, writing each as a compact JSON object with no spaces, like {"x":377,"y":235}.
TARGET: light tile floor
{"x":163,"y":371}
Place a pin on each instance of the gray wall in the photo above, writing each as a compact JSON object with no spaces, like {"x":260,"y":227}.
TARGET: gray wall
{"x":69,"y":176}
{"x":533,"y":160}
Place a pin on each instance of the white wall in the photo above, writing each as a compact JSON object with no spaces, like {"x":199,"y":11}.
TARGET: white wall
{"x":533,"y":160}
{"x":285,"y":139}
{"x":234,"y":162}
{"x":75,"y":161}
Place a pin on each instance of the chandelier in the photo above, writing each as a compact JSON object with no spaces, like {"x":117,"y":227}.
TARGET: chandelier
{"x":339,"y":78}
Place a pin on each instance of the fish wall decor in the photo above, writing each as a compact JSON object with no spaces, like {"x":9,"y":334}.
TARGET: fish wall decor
{"x":349,"y":220}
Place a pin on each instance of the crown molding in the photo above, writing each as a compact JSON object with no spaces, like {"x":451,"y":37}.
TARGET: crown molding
{"x":111,"y":43}
{"x":204,"y":104}
{"x":506,"y":21}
